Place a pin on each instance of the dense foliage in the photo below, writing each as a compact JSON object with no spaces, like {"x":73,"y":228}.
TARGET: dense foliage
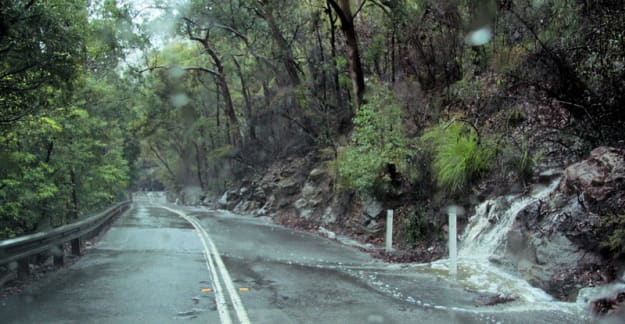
{"x":64,"y":141}
{"x":407,"y":93}
{"x":460,"y":154}
{"x":379,"y":150}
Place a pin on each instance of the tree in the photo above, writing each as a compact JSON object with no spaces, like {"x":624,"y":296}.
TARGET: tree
{"x":285,"y":54}
{"x":220,"y":75}
{"x":62,"y":141}
{"x":41,"y":48}
{"x":343,"y":9}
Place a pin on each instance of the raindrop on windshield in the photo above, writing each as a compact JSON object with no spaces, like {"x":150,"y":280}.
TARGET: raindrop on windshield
{"x":479,"y":36}
{"x":179,"y":100}
{"x":176,"y":72}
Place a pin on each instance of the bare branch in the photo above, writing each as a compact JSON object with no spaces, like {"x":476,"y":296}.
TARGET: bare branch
{"x":235,"y":32}
{"x":338,"y":10}
{"x":186,"y":68}
{"x":192,"y":37}
{"x":362,"y":4}
{"x":162,"y":160}
{"x":311,"y":133}
{"x":384,"y":8}
{"x":202,"y":69}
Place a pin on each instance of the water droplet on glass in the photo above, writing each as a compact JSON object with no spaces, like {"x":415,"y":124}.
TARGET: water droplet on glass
{"x":179,"y":100}
{"x":479,"y":36}
{"x":176,"y":72}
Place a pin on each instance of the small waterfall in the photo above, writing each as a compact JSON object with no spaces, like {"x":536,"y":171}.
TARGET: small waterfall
{"x":493,"y":219}
{"x":485,"y":236}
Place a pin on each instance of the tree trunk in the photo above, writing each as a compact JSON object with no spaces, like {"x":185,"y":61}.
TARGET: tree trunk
{"x":248,"y":103}
{"x":234,"y":131}
{"x":75,"y":204}
{"x":355,"y":66}
{"x":335,"y":72}
{"x":233,"y":122}
{"x":199,"y":164}
{"x":284,"y":51}
{"x":344,"y":12}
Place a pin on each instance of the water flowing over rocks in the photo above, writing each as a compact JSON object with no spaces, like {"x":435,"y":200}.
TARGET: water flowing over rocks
{"x":546,"y":235}
{"x":553,"y":241}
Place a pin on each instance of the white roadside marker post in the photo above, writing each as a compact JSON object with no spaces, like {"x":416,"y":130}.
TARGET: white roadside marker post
{"x":389,"y":230}
{"x":453,"y":253}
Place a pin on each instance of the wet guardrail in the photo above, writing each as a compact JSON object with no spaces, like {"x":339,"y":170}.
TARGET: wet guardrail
{"x":22,"y":249}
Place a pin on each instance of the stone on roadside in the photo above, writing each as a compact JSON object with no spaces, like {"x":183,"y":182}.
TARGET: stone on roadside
{"x":327,"y":233}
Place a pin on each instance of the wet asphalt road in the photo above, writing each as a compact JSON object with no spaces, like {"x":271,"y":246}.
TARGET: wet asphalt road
{"x":151,"y":267}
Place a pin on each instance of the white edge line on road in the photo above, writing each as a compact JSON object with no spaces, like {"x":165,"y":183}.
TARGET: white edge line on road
{"x":222,"y":307}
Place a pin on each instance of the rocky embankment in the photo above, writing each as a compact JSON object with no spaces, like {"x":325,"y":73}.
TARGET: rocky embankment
{"x":556,"y":243}
{"x":301,"y":193}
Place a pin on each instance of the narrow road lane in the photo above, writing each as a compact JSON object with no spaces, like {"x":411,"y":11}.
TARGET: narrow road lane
{"x":148,"y":268}
{"x":157,"y":264}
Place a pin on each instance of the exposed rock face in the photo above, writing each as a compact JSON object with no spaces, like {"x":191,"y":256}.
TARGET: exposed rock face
{"x":555,"y":242}
{"x":229,"y":199}
{"x":300,"y":192}
{"x":372,"y":208}
{"x":287,"y":187}
{"x":600,"y":179}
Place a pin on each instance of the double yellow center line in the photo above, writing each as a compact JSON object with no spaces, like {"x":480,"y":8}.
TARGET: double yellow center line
{"x":214,"y":261}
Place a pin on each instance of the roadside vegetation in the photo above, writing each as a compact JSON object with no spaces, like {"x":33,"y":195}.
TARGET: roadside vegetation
{"x":415,"y":102}
{"x":65,"y":145}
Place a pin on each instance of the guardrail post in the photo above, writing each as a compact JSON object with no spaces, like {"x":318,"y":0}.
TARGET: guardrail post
{"x":23,"y":269}
{"x":76,"y":246}
{"x":59,"y":256}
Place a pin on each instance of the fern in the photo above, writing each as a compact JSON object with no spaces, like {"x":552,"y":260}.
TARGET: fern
{"x":460,"y":156}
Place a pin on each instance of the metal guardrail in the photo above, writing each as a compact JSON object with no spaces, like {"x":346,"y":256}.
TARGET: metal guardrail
{"x":21,"y":248}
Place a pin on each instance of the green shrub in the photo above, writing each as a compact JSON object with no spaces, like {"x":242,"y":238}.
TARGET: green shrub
{"x":416,"y":226}
{"x":467,"y":90}
{"x":377,"y":144}
{"x":459,"y":154}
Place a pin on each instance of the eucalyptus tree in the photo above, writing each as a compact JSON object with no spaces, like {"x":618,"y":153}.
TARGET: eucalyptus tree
{"x":346,"y":13}
{"x":41,"y":48}
{"x":180,"y":123}
{"x":63,"y":121}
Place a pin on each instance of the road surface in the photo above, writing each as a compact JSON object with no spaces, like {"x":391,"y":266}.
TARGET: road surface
{"x":162,"y":263}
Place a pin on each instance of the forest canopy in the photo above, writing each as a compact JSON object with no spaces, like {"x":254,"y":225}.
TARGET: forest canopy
{"x":98,"y":98}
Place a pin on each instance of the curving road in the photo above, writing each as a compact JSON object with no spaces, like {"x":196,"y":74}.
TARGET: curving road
{"x":167,"y":264}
